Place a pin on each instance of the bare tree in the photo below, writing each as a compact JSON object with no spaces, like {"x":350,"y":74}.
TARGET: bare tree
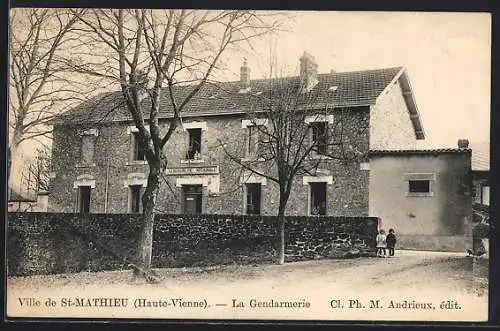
{"x":37,"y":171}
{"x":39,"y":85}
{"x":154,"y":55}
{"x":294,"y":131}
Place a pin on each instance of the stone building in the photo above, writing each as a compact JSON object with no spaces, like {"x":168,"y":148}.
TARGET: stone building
{"x":425,"y":195}
{"x":98,"y":167}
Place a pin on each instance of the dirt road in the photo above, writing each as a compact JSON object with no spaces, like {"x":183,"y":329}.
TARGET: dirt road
{"x":411,"y":276}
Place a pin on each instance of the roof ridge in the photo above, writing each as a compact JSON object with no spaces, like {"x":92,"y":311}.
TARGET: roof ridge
{"x":398,"y":68}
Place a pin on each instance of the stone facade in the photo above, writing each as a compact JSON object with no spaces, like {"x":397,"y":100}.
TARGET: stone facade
{"x":374,"y":110}
{"x":223,"y":192}
{"x":390,"y":124}
{"x":47,"y":243}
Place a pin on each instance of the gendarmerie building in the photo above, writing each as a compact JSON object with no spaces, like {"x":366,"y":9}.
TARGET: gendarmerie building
{"x":98,"y":166}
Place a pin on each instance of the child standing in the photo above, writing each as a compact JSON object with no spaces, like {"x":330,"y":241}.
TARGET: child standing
{"x":391,"y":242}
{"x":381,"y":243}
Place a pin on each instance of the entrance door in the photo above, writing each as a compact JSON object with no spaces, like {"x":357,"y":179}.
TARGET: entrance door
{"x":192,"y":199}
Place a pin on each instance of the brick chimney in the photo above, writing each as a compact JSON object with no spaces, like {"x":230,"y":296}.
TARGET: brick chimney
{"x":463,"y":143}
{"x":308,"y":72}
{"x":245,"y":76}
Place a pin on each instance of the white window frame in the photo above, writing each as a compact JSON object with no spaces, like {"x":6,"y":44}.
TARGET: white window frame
{"x":135,"y":178}
{"x":431,"y":177}
{"x":133,"y":128}
{"x":195,"y":125}
{"x":252,"y":178}
{"x":84,"y":180}
{"x":307,"y":180}
{"x":319,"y":118}
{"x":317,"y":179}
{"x":179,"y":182}
{"x":253,"y":122}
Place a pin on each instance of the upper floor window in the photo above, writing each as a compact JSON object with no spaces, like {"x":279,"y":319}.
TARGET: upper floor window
{"x":194,"y":150}
{"x":194,"y":140}
{"x":88,"y":138}
{"x":319,"y":131}
{"x":137,"y":151}
{"x":255,"y":140}
{"x":256,"y":136}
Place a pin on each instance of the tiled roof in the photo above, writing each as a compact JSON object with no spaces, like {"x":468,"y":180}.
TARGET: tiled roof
{"x":481,"y":157}
{"x":355,"y":88}
{"x":420,"y":151}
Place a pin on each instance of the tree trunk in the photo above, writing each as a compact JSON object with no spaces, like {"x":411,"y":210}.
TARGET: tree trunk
{"x":9,"y":164}
{"x":14,"y":163}
{"x":280,"y":258}
{"x":145,"y":247}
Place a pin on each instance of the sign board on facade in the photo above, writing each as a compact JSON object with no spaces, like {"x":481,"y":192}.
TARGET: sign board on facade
{"x":197,"y":170}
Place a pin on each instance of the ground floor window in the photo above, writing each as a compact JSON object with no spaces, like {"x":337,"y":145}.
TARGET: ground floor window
{"x":134,"y":198}
{"x":318,"y":198}
{"x":192,"y":199}
{"x":253,"y":199}
{"x":84,"y":198}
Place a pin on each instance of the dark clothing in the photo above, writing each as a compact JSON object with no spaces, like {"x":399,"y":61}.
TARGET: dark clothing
{"x":391,"y":251}
{"x":391,"y":240}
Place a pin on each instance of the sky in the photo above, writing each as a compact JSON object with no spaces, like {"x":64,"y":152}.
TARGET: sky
{"x":447,"y":56}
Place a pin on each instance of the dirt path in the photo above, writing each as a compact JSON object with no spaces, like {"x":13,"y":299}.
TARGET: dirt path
{"x":411,"y":275}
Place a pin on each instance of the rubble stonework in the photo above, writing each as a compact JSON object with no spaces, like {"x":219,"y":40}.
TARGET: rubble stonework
{"x":47,"y":243}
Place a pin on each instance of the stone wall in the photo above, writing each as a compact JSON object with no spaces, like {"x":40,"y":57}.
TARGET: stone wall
{"x":46,"y":243}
